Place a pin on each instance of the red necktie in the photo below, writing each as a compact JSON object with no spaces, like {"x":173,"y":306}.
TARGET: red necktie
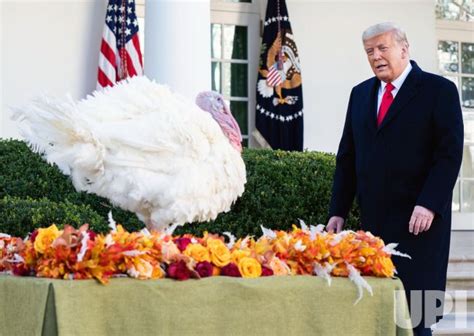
{"x":387,"y":100}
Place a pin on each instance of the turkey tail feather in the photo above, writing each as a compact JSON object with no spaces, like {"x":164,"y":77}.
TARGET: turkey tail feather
{"x":56,"y":130}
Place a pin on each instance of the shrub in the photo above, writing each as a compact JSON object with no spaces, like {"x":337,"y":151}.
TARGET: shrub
{"x":20,"y":216}
{"x":281,"y":187}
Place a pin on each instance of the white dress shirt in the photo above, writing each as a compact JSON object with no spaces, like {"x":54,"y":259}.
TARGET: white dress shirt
{"x":397,"y":83}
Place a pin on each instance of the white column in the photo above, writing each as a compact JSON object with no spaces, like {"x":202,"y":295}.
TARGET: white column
{"x":177,"y":44}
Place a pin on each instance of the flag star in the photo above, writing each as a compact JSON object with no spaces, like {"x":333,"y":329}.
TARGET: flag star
{"x":135,"y":22}
{"x":120,"y":19}
{"x":130,"y":1}
{"x":128,"y":31}
{"x":262,"y":109}
{"x":272,"y":115}
{"x":282,"y":118}
{"x":129,"y":10}
{"x":115,"y":7}
{"x":122,"y":9}
{"x":128,"y":21}
{"x":108,"y":18}
{"x":120,"y":31}
{"x":273,"y":19}
{"x":285,"y":18}
{"x":110,"y":8}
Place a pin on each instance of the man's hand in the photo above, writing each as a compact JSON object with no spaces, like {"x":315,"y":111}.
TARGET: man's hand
{"x":335,"y":223}
{"x":420,"y":220}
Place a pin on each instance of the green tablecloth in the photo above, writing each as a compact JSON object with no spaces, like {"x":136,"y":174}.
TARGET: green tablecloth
{"x":299,"y":305}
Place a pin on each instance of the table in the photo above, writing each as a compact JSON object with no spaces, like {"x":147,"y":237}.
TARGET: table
{"x":290,"y":305}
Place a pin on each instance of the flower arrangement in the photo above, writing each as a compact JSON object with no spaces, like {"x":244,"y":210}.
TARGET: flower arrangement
{"x":82,"y":254}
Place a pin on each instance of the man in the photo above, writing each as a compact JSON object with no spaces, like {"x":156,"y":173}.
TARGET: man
{"x":400,"y":154}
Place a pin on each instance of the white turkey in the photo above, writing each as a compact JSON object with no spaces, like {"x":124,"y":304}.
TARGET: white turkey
{"x":145,"y":148}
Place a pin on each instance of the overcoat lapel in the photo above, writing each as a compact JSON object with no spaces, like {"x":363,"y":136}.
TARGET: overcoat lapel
{"x":371,"y":106}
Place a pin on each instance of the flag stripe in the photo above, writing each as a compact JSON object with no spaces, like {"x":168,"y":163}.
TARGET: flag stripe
{"x":136,"y":43}
{"x":134,"y":58}
{"x":120,"y":34}
{"x":130,"y":66}
{"x":103,"y":80}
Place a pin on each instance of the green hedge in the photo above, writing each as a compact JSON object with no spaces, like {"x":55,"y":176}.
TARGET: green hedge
{"x":281,"y":187}
{"x":20,"y":216}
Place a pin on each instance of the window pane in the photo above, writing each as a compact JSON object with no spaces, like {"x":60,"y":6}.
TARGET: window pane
{"x":235,"y":80}
{"x":455,"y":10}
{"x":235,"y":42}
{"x":239,"y":110}
{"x":456,"y":195}
{"x":467,"y":92}
{"x":468,"y":162}
{"x":467,"y":58}
{"x":239,"y":80}
{"x":468,"y":196}
{"x":448,"y":56}
{"x":216,"y":76}
{"x":216,"y":46}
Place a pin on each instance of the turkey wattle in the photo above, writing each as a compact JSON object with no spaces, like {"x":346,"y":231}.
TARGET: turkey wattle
{"x":147,"y":149}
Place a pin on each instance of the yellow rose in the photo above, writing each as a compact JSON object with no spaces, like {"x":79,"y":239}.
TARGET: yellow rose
{"x":45,"y":238}
{"x":220,"y":254}
{"x":197,"y":252}
{"x":237,"y":255}
{"x":250,"y":267}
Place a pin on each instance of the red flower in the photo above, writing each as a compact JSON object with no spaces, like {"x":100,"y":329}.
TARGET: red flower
{"x":92,"y":234}
{"x":179,"y":271}
{"x":204,"y":269}
{"x":231,"y":270}
{"x":33,"y":235}
{"x":266,"y":271}
{"x":20,"y":269}
{"x":182,"y":243}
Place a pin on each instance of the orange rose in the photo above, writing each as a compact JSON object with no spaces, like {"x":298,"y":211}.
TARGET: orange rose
{"x":279,"y":267}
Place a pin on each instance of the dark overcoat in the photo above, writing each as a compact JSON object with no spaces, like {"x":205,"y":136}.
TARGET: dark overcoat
{"x":413,"y":158}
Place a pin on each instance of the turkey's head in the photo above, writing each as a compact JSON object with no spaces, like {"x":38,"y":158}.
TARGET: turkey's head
{"x":214,"y":103}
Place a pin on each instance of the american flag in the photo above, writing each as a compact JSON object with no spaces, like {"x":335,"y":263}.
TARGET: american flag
{"x":274,"y":76}
{"x":120,"y":56}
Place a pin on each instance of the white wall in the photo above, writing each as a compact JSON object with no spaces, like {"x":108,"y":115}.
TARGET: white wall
{"x":328,"y":36}
{"x":47,"y":47}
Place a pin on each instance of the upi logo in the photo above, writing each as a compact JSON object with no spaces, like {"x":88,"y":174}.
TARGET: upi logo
{"x":435,"y":303}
